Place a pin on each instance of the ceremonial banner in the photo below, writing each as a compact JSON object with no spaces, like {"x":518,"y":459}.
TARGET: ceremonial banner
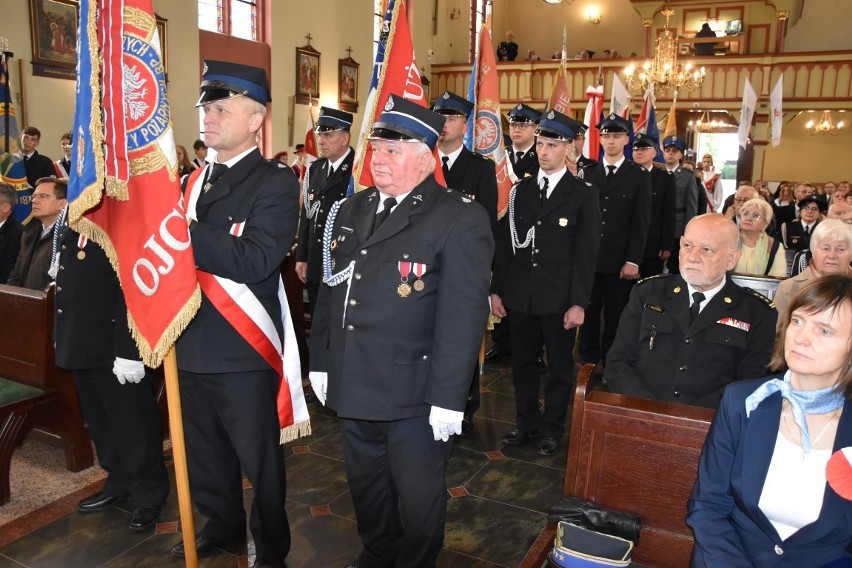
{"x":620,"y":103}
{"x":594,"y":109}
{"x":487,"y":130}
{"x":12,"y":169}
{"x":671,"y":122}
{"x":776,"y":112}
{"x":647,"y":123}
{"x":746,"y":113}
{"x":310,"y":139}
{"x":560,"y":98}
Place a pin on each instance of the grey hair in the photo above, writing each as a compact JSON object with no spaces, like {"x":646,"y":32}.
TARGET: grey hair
{"x":831,"y":229}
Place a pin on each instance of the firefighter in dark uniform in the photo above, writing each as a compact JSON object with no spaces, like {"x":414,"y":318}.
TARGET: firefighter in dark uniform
{"x":522,"y":119}
{"x":396,"y":332}
{"x":690,"y":198}
{"x":625,"y":202}
{"x":676,"y":347}
{"x":328,"y":181}
{"x":581,"y":129}
{"x":543,"y":273}
{"x":661,"y":230}
{"x":115,"y":390}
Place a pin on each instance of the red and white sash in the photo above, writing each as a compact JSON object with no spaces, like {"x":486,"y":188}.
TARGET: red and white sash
{"x":241,"y":308}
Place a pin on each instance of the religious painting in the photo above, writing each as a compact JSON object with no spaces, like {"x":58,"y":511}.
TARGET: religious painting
{"x":347,"y":84}
{"x":162,"y":32}
{"x":307,"y":74}
{"x":53,"y":25}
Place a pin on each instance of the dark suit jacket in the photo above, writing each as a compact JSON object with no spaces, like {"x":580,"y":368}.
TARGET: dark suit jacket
{"x":33,"y":260}
{"x":265,"y":196}
{"x":527,"y":165}
{"x":474,"y":175}
{"x":90,"y":325}
{"x":795,"y":237}
{"x":557,"y":273}
{"x":687,"y":198}
{"x":325,"y":193}
{"x":661,"y":230}
{"x":696,"y":361}
{"x":37,"y":167}
{"x":390,"y":357}
{"x":783,"y":214}
{"x":625,"y":203}
{"x":730,"y":529}
{"x":10,"y":246}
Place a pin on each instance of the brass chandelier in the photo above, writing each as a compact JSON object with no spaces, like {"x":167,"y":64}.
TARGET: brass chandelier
{"x":825,"y":125}
{"x":664,"y":72}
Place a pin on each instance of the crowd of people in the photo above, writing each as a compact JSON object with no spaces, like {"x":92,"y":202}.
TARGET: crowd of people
{"x":631,"y":259}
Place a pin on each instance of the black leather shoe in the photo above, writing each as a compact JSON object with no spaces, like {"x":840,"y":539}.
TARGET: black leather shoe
{"x":467,"y":426}
{"x":516,"y":436}
{"x":495,"y":354}
{"x":203,"y":547}
{"x":547,"y":446}
{"x":144,"y":517}
{"x":97,"y":502}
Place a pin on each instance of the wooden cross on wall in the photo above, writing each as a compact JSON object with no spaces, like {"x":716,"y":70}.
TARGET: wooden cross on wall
{"x":349,"y":52}
{"x":309,"y":38}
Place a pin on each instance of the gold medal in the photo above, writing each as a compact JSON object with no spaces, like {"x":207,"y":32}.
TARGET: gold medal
{"x":404,"y":290}
{"x":419,"y":285}
{"x":81,"y":255}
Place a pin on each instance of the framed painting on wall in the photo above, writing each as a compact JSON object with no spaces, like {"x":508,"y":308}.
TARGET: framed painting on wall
{"x":53,"y":26}
{"x":307,"y":74}
{"x":347,"y":84}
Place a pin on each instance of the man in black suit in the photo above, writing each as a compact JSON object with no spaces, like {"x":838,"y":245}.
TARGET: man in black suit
{"x":689,"y":197}
{"x":10,"y":231}
{"x":395,"y":335}
{"x":36,"y":165}
{"x":32,"y":267}
{"x":797,"y":234}
{"x":116,"y":395}
{"x":522,"y":119}
{"x":328,"y":182}
{"x":507,"y":50}
{"x":625,"y":202}
{"x":543,"y":273}
{"x":677,"y":347}
{"x":661,"y":229}
{"x":243,"y":213}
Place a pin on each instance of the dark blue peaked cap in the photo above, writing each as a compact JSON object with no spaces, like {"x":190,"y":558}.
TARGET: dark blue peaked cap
{"x":675,"y":141}
{"x":451,"y":103}
{"x":646,"y":140}
{"x":553,"y":124}
{"x":223,"y":79}
{"x":523,"y":113}
{"x":405,"y":120}
{"x":332,"y":119}
{"x":614,"y":123}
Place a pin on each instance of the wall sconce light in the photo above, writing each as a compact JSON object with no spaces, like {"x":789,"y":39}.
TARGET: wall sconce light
{"x":455,"y":14}
{"x":593,"y":14}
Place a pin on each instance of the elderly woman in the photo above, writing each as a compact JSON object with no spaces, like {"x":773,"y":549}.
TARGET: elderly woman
{"x":767,"y":493}
{"x":761,"y":254}
{"x":831,"y":247}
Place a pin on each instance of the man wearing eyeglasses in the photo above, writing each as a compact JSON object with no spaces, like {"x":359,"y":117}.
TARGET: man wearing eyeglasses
{"x":35,"y":256}
{"x":682,"y":338}
{"x":522,"y":119}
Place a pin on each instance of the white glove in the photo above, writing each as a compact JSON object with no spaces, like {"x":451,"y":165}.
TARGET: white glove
{"x":128,"y":370}
{"x":445,"y":422}
{"x":319,"y":382}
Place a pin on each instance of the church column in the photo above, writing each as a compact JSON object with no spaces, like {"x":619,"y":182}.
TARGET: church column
{"x":648,"y":23}
{"x":781,"y":32}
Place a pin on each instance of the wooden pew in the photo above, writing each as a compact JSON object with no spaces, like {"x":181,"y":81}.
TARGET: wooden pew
{"x":634,"y":455}
{"x":27,"y":358}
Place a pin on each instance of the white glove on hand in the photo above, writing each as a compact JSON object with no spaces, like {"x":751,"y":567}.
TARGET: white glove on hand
{"x":128,"y":370}
{"x":319,"y":382}
{"x":445,"y":422}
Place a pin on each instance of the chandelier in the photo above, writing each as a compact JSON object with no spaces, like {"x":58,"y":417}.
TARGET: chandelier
{"x":706,"y":124}
{"x":664,"y":72}
{"x":825,"y":125}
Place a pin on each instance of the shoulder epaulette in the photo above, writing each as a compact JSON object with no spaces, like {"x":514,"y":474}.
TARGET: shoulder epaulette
{"x":479,"y":156}
{"x":458,"y":195}
{"x":653,"y":277}
{"x":278,"y":164}
{"x":759,"y":296}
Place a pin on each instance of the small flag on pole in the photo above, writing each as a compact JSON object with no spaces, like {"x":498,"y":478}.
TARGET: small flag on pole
{"x":775,"y":104}
{"x":746,"y":113}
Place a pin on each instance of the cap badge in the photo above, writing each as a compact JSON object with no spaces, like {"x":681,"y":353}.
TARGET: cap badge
{"x":446,"y":95}
{"x":520,"y":106}
{"x":563,"y":222}
{"x":551,"y":115}
{"x":321,"y":111}
{"x":389,"y":104}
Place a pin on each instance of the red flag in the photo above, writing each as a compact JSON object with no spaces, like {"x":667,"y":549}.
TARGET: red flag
{"x":642,"y":120}
{"x":560,"y":98}
{"x":310,"y":138}
{"x":487,"y":131}
{"x":592,"y":145}
{"x":127,"y":197}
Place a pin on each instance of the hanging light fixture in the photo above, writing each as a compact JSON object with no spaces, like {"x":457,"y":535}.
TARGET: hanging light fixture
{"x":709,"y":124}
{"x":664,"y":72}
{"x":825,"y":125}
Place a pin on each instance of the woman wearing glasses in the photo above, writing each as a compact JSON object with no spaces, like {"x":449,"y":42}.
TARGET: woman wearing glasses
{"x":797,"y":234}
{"x":761,"y":254}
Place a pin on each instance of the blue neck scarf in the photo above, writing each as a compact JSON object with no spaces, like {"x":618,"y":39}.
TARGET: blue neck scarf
{"x":810,"y":402}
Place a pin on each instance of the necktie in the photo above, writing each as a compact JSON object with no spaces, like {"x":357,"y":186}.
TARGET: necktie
{"x":518,"y":156}
{"x":330,"y":171}
{"x":445,"y":166}
{"x":380,"y":218}
{"x":217,"y":171}
{"x":542,"y":184}
{"x":807,"y":231}
{"x":697,"y":298}
{"x":610,"y":171}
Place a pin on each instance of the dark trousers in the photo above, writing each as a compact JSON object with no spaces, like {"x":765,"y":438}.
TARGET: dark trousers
{"x":124,"y":423}
{"x":611,"y":294}
{"x":501,"y":335}
{"x":230,"y":420}
{"x":396,"y":474}
{"x":529,"y":333}
{"x":313,"y":294}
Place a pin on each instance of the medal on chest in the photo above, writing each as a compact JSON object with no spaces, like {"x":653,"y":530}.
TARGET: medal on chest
{"x":81,"y":244}
{"x":404,"y":288}
{"x":419,"y":269}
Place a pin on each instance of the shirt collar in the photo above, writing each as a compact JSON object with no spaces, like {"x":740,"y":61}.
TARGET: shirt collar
{"x":233,"y":161}
{"x":708,"y":294}
{"x":452,"y":156}
{"x":616,"y":164}
{"x":552,"y":179}
{"x":336,"y":164}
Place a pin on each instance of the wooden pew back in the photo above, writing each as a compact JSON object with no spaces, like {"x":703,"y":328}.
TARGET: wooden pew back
{"x":640,"y":456}
{"x":26,"y":336}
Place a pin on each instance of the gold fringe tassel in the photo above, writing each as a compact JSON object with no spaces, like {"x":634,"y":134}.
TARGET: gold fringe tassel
{"x":295,"y":431}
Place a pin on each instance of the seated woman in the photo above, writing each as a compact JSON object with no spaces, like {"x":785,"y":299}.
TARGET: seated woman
{"x":761,"y":254}
{"x":762,"y":497}
{"x":831,"y":253}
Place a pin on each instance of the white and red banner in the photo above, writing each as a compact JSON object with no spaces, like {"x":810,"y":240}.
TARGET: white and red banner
{"x":620,"y":102}
{"x":746,"y":113}
{"x":594,"y":109}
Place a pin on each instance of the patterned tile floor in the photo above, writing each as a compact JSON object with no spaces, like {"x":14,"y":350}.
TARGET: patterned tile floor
{"x":496,"y":510}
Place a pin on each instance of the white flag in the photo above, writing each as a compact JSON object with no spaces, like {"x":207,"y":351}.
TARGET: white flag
{"x":776,"y":112}
{"x":746,"y":113}
{"x":620,"y":103}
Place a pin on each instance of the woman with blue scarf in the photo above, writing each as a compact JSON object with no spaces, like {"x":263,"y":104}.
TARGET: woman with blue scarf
{"x":762,"y":497}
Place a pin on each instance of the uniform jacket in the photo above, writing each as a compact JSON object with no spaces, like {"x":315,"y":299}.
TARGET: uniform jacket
{"x":38,"y":166}
{"x":474,"y":175}
{"x":794,"y":236}
{"x":697,"y":361}
{"x":661,"y":230}
{"x":583,"y":162}
{"x":527,"y":165}
{"x":264,"y":195}
{"x":390,"y":357}
{"x":557,"y":271}
{"x":625,"y":203}
{"x":783,"y":214}
{"x":10,"y":246}
{"x":730,"y":529}
{"x":33,"y":260}
{"x":90,"y":325}
{"x":686,"y":198}
{"x":325,"y":193}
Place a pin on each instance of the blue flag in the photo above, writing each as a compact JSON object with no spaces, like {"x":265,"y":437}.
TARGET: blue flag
{"x":471,"y":96}
{"x":12,"y":169}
